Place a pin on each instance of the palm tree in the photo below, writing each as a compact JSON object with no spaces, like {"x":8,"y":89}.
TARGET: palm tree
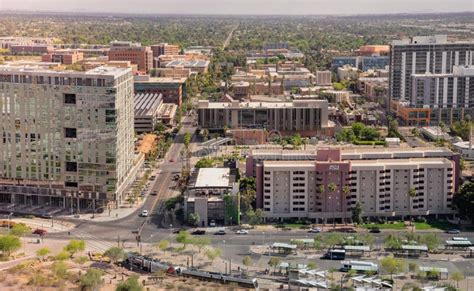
{"x":412,"y":194}
{"x":332,"y":188}
{"x":346,"y":190}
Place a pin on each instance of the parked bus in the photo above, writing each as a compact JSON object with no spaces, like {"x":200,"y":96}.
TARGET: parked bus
{"x":336,"y":254}
{"x":359,"y":266}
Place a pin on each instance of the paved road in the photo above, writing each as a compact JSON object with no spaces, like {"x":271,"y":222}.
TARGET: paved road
{"x":104,"y":233}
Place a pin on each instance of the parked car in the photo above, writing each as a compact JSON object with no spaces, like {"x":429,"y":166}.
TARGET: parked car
{"x":137,"y":230}
{"x":198,"y":232}
{"x":375,"y":230}
{"x":453,"y":231}
{"x":315,"y":230}
{"x":220,"y":232}
{"x":213,"y":223}
{"x":40,"y":231}
{"x":144,"y":213}
{"x":178,"y":230}
{"x":242,"y":231}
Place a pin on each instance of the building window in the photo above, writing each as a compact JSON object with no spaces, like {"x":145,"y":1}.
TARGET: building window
{"x":71,"y":166}
{"x":69,"y":98}
{"x":70,"y":132}
{"x":71,"y":184}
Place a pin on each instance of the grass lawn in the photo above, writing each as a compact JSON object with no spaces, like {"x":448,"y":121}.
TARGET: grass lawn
{"x":439,"y":224}
{"x":396,"y":225}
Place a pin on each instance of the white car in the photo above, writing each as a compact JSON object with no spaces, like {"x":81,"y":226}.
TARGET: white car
{"x":144,"y":213}
{"x":315,"y":230}
{"x":242,"y":231}
{"x":212,"y":224}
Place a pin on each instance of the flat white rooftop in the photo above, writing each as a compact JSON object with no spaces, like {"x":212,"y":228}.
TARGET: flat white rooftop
{"x":39,"y":69}
{"x":212,"y":177}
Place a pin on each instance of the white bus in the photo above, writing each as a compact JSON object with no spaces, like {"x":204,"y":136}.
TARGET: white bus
{"x":359,"y":266}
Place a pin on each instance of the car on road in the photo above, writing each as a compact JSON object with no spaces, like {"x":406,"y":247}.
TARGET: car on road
{"x":144,"y":213}
{"x":178,"y":230}
{"x":137,"y":230}
{"x":40,"y":231}
{"x":453,"y":231}
{"x":198,"y":232}
{"x":213,"y":223}
{"x":375,"y":230}
{"x":220,"y":232}
{"x":171,"y":160}
{"x":154,"y":193}
{"x":315,"y":230}
{"x":242,"y":231}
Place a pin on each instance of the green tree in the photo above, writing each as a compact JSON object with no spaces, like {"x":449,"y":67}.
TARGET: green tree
{"x":431,"y":240}
{"x":187,"y":140}
{"x":131,"y":284}
{"x":64,"y":255}
{"x":163,"y":245}
{"x":43,"y":252}
{"x":200,"y":242}
{"x":9,"y":244}
{"x":115,"y":254}
{"x":60,"y":269}
{"x":160,"y":127}
{"x":194,"y":219}
{"x":274,"y":262}
{"x":464,"y":200}
{"x":333,"y":239}
{"x":213,"y":254}
{"x":392,"y":242}
{"x":412,"y":192}
{"x":357,"y":213}
{"x":247,"y":261}
{"x":392,"y":265}
{"x":254,"y":217}
{"x":247,"y":199}
{"x":357,"y":128}
{"x":92,"y":279}
{"x":248,"y":183}
{"x":184,"y":238}
{"x":204,"y":163}
{"x":75,"y":246}
{"x":457,"y":277}
{"x":20,"y":230}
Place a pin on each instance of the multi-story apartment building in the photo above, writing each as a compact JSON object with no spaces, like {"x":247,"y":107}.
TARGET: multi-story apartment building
{"x":323,"y":78}
{"x":308,"y":117}
{"x":426,"y":55}
{"x":67,"y":137}
{"x":65,"y":56}
{"x":165,"y":49}
{"x":449,"y":96}
{"x":329,"y":186}
{"x":172,"y":89}
{"x":134,"y":52}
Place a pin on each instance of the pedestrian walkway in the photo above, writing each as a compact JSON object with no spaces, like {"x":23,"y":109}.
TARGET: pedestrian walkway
{"x":50,"y":225}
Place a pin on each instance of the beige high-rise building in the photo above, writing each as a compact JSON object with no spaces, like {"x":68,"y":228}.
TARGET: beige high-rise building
{"x":67,"y":137}
{"x":328,"y":184}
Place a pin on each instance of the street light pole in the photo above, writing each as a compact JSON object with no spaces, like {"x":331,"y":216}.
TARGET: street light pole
{"x":9,"y":218}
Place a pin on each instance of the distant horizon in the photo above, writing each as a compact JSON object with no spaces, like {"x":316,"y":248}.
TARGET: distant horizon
{"x":41,"y":12}
{"x":241,"y":7}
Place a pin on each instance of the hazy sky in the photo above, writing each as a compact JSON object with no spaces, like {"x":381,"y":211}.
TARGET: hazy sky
{"x":242,"y":6}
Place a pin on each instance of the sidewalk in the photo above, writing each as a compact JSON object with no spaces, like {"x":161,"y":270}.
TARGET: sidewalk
{"x":55,"y":226}
{"x":122,"y":211}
